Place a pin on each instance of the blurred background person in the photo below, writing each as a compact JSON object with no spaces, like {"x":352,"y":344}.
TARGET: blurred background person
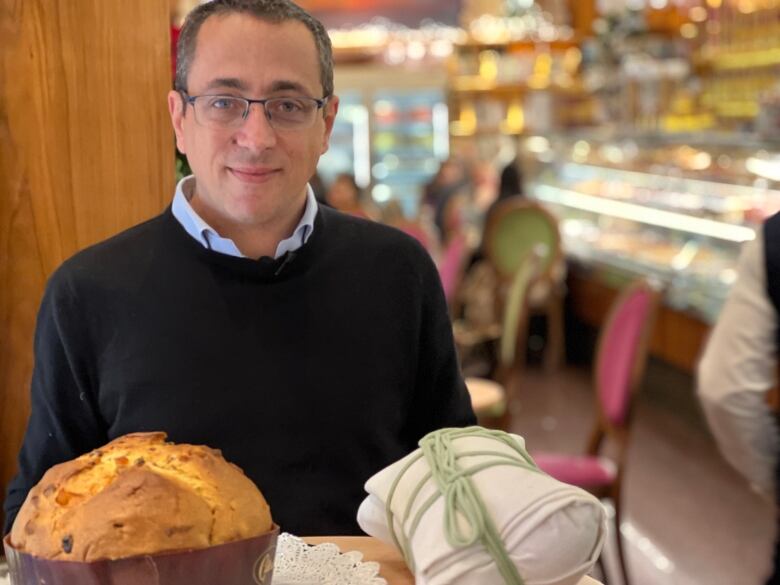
{"x":511,"y":182}
{"x":345,"y":195}
{"x":451,"y":180}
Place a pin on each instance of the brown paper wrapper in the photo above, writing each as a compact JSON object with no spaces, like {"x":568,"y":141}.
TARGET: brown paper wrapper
{"x":244,"y":562}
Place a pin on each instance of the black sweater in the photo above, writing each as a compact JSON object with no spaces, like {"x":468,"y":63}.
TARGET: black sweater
{"x":310,"y":372}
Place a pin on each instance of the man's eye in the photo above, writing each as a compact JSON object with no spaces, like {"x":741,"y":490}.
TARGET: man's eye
{"x":289,"y":106}
{"x":222,"y":103}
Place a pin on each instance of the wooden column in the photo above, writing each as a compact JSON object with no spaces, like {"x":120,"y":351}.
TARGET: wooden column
{"x":86,"y":150}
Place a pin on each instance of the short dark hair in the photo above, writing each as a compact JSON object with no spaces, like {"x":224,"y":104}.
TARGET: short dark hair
{"x":275,"y":11}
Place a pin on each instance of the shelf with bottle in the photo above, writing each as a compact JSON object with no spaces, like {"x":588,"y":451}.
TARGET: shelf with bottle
{"x":540,"y":67}
{"x":739,"y":36}
{"x":737,"y":56}
{"x":500,"y":90}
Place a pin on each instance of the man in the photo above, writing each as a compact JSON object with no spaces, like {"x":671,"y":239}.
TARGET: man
{"x":738,"y":368}
{"x":312,"y":348}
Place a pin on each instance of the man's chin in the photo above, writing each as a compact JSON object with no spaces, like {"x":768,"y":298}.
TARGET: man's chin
{"x":250,"y":219}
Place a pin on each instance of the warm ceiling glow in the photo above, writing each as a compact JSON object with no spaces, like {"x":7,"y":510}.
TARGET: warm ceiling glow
{"x":698,"y":14}
{"x":746,"y":6}
{"x":689,"y":30}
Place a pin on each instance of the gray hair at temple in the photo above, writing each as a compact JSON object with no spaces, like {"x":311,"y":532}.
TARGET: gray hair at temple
{"x":276,"y":11}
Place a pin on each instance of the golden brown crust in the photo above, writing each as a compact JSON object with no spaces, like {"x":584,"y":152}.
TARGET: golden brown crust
{"x":139,"y":495}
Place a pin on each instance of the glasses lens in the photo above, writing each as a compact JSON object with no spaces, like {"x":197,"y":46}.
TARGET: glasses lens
{"x":219,"y":110}
{"x":291,"y":112}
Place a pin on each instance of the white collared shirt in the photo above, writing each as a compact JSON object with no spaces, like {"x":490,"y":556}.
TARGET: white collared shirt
{"x":738,"y":370}
{"x":208,"y":237}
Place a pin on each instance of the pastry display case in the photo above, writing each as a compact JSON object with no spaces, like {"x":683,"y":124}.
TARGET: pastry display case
{"x":676,"y":209}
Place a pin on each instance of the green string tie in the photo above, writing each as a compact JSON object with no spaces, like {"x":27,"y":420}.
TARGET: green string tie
{"x":466,"y":519}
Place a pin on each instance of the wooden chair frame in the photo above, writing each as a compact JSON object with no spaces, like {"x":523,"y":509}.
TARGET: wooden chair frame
{"x":604,"y":428}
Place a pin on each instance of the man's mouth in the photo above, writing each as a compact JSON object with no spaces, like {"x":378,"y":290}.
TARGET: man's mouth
{"x":253,"y":174}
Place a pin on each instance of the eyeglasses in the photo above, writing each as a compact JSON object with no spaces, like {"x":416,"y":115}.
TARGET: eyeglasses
{"x":282,"y":113}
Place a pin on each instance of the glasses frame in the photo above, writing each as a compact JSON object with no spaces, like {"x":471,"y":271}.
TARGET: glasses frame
{"x":190,"y":99}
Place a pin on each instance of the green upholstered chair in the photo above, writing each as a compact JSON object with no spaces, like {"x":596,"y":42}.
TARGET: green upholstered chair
{"x":514,"y":229}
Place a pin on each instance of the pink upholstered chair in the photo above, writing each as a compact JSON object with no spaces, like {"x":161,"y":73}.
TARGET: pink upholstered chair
{"x":452,"y":265}
{"x":621,"y":356}
{"x":417,"y":232}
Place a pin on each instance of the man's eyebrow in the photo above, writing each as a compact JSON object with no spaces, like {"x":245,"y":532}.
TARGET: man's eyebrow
{"x":226,"y":82}
{"x":238,"y":84}
{"x":286,"y":85}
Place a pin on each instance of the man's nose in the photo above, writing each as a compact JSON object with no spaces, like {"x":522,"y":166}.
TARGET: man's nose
{"x":256,"y":133}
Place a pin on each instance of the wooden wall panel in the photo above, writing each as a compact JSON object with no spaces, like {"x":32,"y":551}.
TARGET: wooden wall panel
{"x":86,"y":150}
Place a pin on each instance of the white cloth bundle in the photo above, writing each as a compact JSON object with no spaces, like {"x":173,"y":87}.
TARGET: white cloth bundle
{"x":550,"y":532}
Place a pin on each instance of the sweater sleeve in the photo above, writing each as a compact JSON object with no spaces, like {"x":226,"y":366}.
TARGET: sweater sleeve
{"x":64,"y":420}
{"x":441,"y":397}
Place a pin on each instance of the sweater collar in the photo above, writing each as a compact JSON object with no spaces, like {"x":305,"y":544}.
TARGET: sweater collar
{"x":266,"y":269}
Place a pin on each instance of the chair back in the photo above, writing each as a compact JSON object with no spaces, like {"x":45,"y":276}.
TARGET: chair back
{"x":515,"y":314}
{"x":622,"y":350}
{"x":514,"y":228}
{"x":453,"y":264}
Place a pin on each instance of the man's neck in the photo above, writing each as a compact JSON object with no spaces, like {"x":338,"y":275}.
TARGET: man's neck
{"x":258,"y":241}
{"x":252,"y":240}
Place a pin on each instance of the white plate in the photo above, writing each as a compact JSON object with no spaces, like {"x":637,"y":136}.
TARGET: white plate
{"x":298,"y":563}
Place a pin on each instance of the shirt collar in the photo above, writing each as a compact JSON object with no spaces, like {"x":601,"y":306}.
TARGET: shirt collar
{"x":208,"y":237}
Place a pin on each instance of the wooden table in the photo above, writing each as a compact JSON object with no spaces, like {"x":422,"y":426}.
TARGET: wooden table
{"x":393,"y":566}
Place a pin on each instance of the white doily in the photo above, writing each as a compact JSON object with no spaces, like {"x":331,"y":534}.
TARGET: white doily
{"x":298,"y":563}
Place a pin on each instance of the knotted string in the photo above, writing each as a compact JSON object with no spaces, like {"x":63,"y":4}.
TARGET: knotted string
{"x":466,"y":519}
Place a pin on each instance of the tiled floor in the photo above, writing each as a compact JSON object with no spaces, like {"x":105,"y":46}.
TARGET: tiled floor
{"x":691,"y":520}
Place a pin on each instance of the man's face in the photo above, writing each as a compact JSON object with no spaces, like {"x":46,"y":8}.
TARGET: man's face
{"x":252,"y":176}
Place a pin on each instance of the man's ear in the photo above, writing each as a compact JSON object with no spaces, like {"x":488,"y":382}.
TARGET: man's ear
{"x":331,"y":109}
{"x":176,"y":108}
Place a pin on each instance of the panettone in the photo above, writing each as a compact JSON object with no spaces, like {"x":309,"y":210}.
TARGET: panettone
{"x":139,"y":495}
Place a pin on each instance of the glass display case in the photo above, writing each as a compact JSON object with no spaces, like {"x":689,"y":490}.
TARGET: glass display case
{"x":677,"y":209}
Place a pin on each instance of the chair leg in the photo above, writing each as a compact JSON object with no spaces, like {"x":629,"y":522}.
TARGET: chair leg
{"x":504,"y":421}
{"x":602,"y":569}
{"x":619,"y":543}
{"x":553,"y":353}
